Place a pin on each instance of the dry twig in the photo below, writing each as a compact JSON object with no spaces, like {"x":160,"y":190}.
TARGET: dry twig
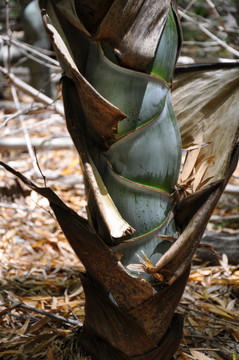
{"x":209,"y":34}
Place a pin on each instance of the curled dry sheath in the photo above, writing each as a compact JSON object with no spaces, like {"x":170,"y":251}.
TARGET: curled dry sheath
{"x":118,"y":59}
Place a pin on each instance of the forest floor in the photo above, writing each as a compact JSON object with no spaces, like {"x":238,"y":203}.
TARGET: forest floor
{"x":39,"y":272}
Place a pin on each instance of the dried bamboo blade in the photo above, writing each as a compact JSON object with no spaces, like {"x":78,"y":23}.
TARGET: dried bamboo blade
{"x":207,"y":107}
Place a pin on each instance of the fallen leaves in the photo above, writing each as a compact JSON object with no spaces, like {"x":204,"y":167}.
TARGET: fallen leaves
{"x":211,"y":311}
{"x":199,"y":356}
{"x":194,"y":167}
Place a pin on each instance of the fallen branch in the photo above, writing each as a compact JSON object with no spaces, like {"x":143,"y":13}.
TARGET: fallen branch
{"x":20,"y":304}
{"x":232,"y":189}
{"x":39,"y":143}
{"x":24,"y":129}
{"x":222,"y":243}
{"x":29,"y":90}
{"x":42,"y":53}
{"x":24,"y":109}
{"x":209,"y":34}
{"x":225,"y":218}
